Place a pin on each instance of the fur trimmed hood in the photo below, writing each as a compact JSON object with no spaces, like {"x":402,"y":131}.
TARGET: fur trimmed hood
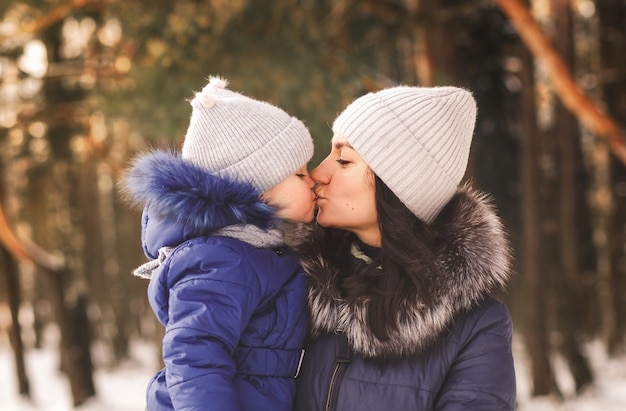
{"x":182,"y":200}
{"x":476,"y":260}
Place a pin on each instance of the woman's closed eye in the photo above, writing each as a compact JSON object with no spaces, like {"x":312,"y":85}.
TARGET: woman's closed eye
{"x":342,"y":162}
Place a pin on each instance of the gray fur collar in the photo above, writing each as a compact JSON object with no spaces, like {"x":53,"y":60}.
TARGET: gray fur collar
{"x":476,"y":259}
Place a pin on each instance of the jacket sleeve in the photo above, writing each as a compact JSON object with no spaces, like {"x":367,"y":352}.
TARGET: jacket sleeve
{"x":482,"y":377}
{"x":208,"y":311}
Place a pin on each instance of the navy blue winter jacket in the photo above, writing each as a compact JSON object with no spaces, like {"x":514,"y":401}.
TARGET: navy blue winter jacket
{"x":454,"y":355}
{"x":231,"y":296}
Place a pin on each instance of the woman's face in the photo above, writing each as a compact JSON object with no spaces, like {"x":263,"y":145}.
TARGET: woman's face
{"x":346,"y":193}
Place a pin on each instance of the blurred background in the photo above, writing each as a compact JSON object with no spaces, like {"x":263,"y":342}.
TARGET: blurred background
{"x":85,"y":85}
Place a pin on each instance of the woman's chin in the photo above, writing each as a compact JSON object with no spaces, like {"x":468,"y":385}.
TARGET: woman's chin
{"x":320,"y":219}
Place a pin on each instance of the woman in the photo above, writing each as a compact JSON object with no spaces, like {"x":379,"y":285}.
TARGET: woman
{"x":400,"y":275}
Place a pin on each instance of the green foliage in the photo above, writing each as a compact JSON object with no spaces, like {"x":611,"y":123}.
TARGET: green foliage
{"x":297,"y":55}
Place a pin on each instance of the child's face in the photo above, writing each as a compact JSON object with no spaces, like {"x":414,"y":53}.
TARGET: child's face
{"x":294,"y":197}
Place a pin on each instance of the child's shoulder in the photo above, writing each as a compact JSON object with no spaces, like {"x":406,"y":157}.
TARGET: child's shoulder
{"x":217,"y":249}
{"x":215,"y":257}
{"x":212,"y":247}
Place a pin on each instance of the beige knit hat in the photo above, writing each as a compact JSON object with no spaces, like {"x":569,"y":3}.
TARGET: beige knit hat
{"x":237,"y":137}
{"x":416,"y":139}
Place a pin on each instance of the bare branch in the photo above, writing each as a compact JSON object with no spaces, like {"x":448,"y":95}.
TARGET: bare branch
{"x":51,"y":18}
{"x":26,"y":250}
{"x":564,"y":86}
{"x":59,"y":14}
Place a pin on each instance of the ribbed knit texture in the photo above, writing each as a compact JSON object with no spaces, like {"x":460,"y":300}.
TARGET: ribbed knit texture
{"x":235,"y":136}
{"x":416,"y":139}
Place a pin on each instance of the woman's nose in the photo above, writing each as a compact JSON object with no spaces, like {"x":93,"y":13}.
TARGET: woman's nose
{"x":320,"y":173}
{"x":310,"y":181}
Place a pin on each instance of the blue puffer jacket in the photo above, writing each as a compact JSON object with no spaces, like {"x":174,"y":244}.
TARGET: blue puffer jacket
{"x":231,"y":296}
{"x":454,"y":355}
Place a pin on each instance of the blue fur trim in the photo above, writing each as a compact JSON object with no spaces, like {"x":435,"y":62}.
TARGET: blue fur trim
{"x":187,"y":194}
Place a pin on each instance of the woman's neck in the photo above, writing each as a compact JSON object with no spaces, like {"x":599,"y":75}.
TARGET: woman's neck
{"x":370,"y":237}
{"x":368,"y":249}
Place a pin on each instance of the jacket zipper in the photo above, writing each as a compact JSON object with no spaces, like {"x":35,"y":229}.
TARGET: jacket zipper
{"x":333,"y":389}
{"x":343,"y":356}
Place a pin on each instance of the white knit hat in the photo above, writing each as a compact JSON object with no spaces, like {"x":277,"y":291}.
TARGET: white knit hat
{"x":237,"y":137}
{"x":416,"y":139}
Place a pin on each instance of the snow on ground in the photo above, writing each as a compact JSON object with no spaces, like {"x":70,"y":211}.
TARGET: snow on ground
{"x":607,"y":394}
{"x":119,"y":389}
{"x":123,"y":388}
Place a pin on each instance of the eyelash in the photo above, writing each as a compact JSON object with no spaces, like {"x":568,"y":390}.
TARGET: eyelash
{"x":342,"y":162}
{"x":300,"y":175}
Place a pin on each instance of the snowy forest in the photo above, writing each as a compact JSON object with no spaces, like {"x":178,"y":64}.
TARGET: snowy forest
{"x":85,"y":85}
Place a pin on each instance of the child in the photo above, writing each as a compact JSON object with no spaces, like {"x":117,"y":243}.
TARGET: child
{"x":230,"y":294}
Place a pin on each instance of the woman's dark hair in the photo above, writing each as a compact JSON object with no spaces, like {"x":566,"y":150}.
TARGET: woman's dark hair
{"x":407,"y":258}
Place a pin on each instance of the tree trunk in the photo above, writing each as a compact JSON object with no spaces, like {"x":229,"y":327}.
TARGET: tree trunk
{"x":64,"y":97}
{"x":11,"y":283}
{"x":129,"y":256}
{"x":74,"y":330}
{"x":80,"y":351}
{"x":569,"y":297}
{"x":602,"y":202}
{"x":612,"y":20}
{"x":36,"y":204}
{"x":422,"y":50}
{"x":535,"y":325}
{"x":99,"y":284}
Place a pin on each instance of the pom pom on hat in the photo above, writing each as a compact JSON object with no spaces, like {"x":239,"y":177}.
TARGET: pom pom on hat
{"x":204,"y":97}
{"x":217,"y":81}
{"x":416,"y":139}
{"x":244,"y":139}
